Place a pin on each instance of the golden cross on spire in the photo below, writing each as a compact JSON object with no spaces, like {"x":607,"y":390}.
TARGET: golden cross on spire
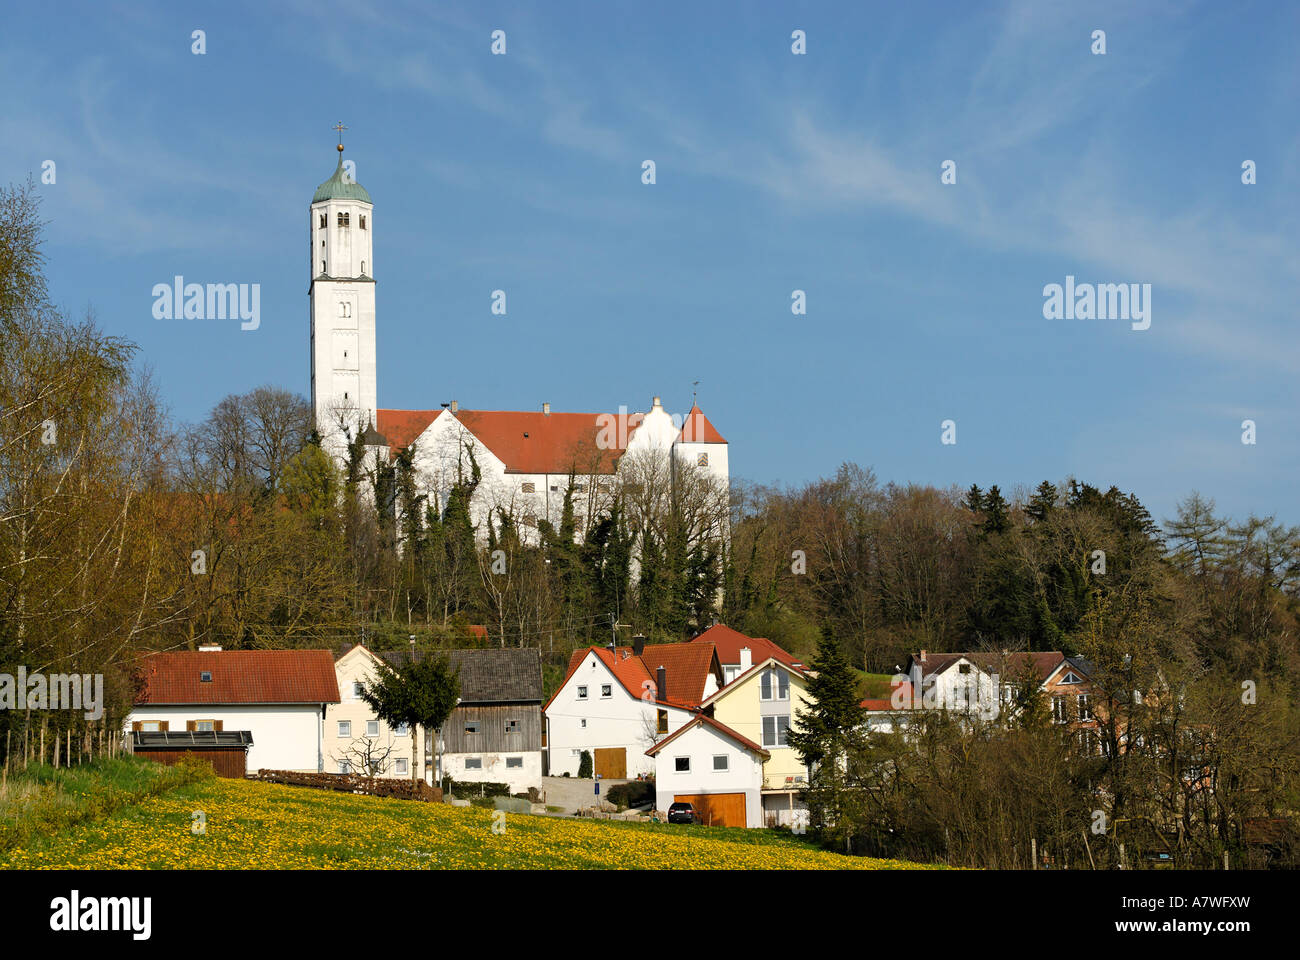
{"x":340,"y":128}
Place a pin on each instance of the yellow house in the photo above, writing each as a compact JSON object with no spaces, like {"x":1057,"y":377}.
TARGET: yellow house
{"x":355,"y":740}
{"x":761,"y":704}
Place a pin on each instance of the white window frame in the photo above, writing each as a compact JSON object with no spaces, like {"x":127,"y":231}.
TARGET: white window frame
{"x":514,"y":763}
{"x":372,"y":724}
{"x":473,"y":763}
{"x":582,"y":691}
{"x":345,"y":724}
{"x":677,"y":765}
{"x":401,"y":765}
{"x":606,"y":691}
{"x":775,"y":740}
{"x":726,"y":763}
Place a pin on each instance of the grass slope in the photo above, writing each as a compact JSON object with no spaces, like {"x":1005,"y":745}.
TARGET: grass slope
{"x":259,"y":825}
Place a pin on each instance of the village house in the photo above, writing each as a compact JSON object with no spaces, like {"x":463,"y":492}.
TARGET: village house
{"x":493,"y":735}
{"x":715,"y":769}
{"x":985,"y":684}
{"x":278,"y":697}
{"x":760,"y":704}
{"x":356,"y":740}
{"x":616,"y":702}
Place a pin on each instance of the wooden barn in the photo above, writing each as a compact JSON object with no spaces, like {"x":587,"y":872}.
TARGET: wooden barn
{"x":495,"y":733}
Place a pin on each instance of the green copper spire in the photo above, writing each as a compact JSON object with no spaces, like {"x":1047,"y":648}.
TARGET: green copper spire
{"x":337,"y":187}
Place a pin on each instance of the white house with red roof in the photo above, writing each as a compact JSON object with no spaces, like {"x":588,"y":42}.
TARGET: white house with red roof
{"x":615,"y":703}
{"x":716,"y":769}
{"x":280,"y":696}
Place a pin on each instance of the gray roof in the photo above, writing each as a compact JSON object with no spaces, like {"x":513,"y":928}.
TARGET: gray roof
{"x":190,"y":739}
{"x":491,"y":675}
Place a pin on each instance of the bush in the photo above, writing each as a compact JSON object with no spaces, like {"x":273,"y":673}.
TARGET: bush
{"x":634,"y":793}
{"x":470,"y":789}
{"x":584,"y":766}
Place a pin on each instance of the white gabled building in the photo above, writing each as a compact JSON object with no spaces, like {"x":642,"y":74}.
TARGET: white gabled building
{"x":279,"y":696}
{"x":610,"y":705}
{"x":715,"y":769}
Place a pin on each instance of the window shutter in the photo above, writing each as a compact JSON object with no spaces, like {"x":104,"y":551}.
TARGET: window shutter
{"x":162,"y":725}
{"x":136,"y":725}
{"x":216,"y":725}
{"x":191,"y":724}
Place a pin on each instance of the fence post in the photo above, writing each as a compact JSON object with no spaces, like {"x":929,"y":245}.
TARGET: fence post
{"x":1033,"y":853}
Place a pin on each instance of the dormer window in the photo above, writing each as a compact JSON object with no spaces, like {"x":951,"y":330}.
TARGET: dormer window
{"x":205,"y":676}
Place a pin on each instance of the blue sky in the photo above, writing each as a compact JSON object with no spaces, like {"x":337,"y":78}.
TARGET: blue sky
{"x":775,"y":172}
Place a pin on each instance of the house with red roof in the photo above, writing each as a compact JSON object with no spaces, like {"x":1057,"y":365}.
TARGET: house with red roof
{"x":617,"y":702}
{"x":715,"y":769}
{"x":738,"y":653}
{"x":526,"y":458}
{"x":278,"y":696}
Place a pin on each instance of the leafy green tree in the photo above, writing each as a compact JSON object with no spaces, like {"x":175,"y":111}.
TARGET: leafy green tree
{"x":420,"y":692}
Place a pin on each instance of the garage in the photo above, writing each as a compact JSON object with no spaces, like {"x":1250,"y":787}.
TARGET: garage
{"x":611,"y":763}
{"x":716,"y":809}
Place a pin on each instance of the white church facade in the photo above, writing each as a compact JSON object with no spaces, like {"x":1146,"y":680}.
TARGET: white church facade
{"x":525,"y":458}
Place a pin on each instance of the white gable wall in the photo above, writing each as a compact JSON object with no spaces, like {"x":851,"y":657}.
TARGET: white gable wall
{"x":619,"y":720}
{"x":285,"y":736}
{"x":700,"y":744}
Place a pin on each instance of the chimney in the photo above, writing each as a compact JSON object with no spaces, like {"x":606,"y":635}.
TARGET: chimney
{"x":661,"y":690}
{"x":546,"y":409}
{"x":638,"y":645}
{"x":922,"y":658}
{"x":209,"y":648}
{"x":746,"y":659}
{"x":455,"y":406}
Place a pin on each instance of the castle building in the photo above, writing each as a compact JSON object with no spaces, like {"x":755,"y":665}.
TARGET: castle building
{"x":526,"y":458}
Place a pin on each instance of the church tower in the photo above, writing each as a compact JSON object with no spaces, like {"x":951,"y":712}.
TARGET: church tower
{"x":342,"y":295}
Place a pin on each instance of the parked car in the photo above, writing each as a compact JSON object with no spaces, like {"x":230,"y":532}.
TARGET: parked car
{"x":681,"y":813}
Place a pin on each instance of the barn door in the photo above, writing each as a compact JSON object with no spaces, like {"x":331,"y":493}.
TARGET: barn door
{"x":611,"y":763}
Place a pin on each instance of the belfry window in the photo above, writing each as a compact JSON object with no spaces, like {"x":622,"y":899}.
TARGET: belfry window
{"x":322,"y":221}
{"x":322,"y":267}
{"x":363,"y":221}
{"x":345,"y":219}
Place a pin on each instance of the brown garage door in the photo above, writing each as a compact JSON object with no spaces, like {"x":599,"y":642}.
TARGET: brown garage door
{"x":717,"y":809}
{"x":611,"y":763}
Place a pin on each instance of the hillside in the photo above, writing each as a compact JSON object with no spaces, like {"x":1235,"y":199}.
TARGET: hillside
{"x":265,"y":826}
